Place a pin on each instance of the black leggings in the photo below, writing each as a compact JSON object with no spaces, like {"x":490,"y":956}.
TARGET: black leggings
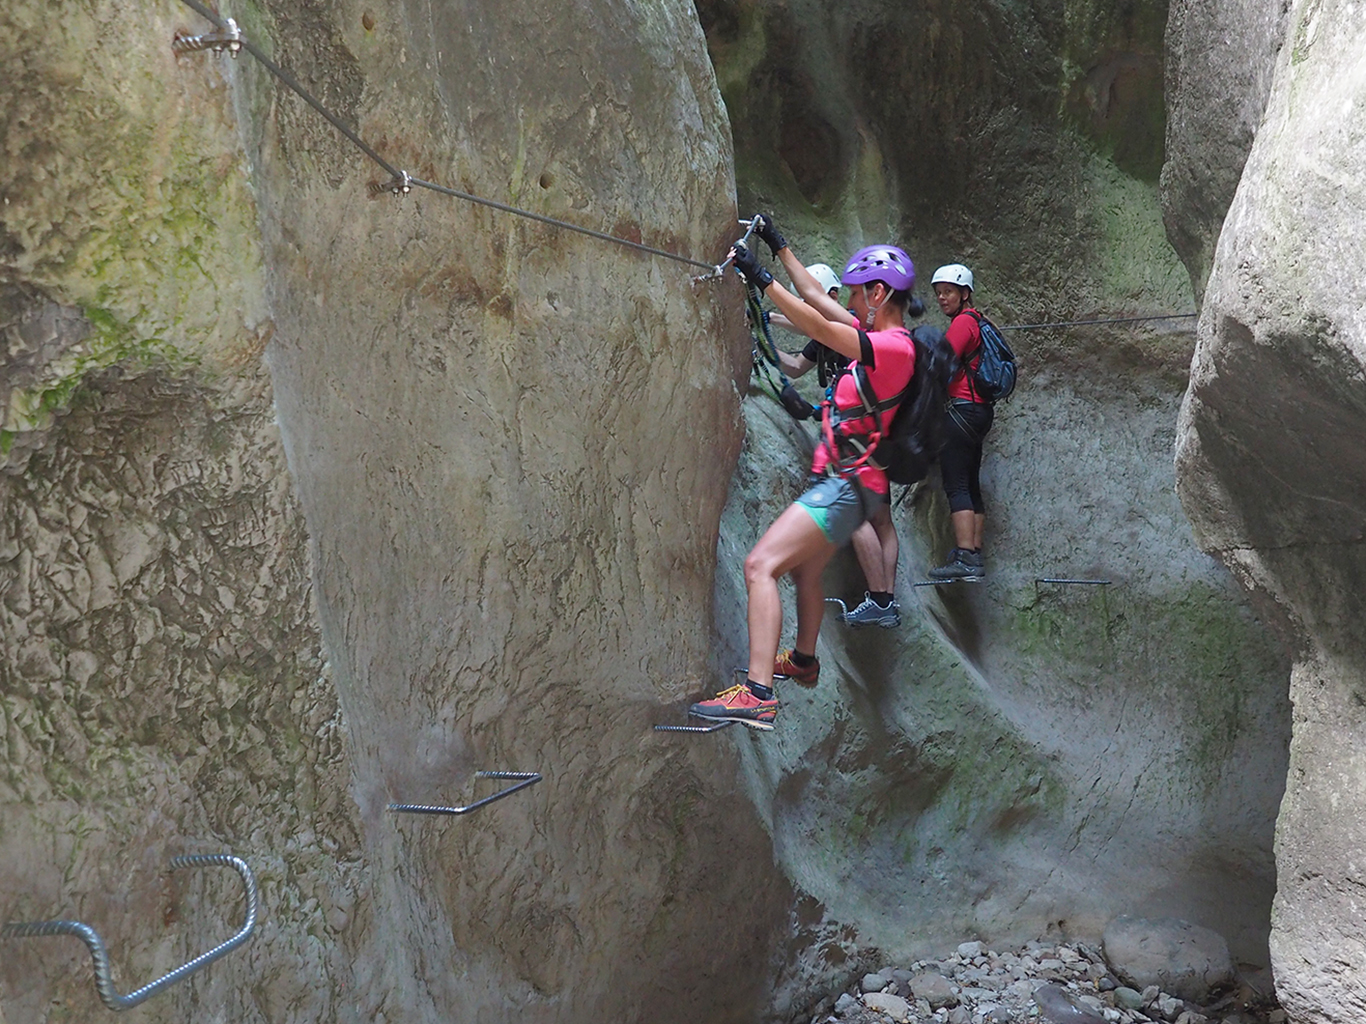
{"x":960,"y":462}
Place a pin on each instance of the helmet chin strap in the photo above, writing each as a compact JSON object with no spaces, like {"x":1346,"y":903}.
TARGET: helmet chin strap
{"x":872,"y":313}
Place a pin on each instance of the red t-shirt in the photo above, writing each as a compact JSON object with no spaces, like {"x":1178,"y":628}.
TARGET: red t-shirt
{"x":889,"y":366}
{"x":965,"y":335}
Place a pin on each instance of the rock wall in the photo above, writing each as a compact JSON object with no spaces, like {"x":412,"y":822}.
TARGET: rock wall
{"x":1023,"y":140}
{"x":1020,"y":759}
{"x":466,"y":514}
{"x":1269,"y":484}
{"x":1220,"y":58}
{"x":491,"y":500}
{"x":512,"y":446}
{"x":162,"y":686}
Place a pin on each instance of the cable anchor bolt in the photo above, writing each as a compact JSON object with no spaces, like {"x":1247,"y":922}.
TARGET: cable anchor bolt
{"x":399,"y":185}
{"x":719,"y":271}
{"x":227,"y":39}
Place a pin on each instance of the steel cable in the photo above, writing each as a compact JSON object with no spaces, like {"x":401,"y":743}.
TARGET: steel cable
{"x":401,"y":181}
{"x":1107,"y":320}
{"x":401,"y":178}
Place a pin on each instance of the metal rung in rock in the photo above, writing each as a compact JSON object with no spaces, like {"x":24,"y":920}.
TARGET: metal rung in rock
{"x":219,"y":40}
{"x":694,"y":728}
{"x":525,"y":779}
{"x":104,"y":981}
{"x":1084,"y":583}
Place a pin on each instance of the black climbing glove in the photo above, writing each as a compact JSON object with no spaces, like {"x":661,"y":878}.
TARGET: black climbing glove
{"x":747,"y":262}
{"x":765,"y":229}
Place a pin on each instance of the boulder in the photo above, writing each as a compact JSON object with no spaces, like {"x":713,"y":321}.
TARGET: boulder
{"x":935,"y":989}
{"x":893,"y":1006}
{"x":1179,"y":957}
{"x":1058,"y":1006}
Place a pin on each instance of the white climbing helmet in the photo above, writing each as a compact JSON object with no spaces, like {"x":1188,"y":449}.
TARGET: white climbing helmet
{"x":828,"y":278}
{"x":953,"y":273}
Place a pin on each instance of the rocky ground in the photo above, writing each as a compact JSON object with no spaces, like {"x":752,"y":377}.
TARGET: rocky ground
{"x":1056,"y":984}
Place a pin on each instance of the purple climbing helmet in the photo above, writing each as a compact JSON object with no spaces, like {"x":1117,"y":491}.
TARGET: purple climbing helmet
{"x":885,"y":263}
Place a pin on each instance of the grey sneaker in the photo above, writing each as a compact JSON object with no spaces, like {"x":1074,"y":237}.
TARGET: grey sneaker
{"x":962,"y":565}
{"x":870,"y":613}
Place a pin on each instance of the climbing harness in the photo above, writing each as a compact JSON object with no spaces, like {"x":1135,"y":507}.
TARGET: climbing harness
{"x":525,"y":779}
{"x":400,"y":181}
{"x":766,"y":363}
{"x":858,"y":447}
{"x":99,"y":954}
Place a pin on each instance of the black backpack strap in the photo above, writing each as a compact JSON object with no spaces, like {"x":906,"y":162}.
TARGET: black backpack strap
{"x":871,"y":405}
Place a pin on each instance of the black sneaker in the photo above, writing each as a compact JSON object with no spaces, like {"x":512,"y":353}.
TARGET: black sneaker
{"x":962,"y":565}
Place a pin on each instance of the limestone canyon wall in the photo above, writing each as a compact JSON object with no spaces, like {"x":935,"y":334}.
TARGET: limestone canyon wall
{"x":163,"y":687}
{"x":315,"y":499}
{"x":484,"y":527}
{"x":1270,"y":473}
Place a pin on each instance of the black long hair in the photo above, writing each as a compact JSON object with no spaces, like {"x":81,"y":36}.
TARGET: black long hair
{"x":921,"y":417}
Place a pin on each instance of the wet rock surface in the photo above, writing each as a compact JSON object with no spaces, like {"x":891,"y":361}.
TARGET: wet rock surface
{"x":1062,"y":983}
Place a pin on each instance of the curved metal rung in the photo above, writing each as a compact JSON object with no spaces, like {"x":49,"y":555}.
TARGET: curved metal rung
{"x":526,"y":779}
{"x":1085,"y":583}
{"x":944,"y":583}
{"x":104,"y":982}
{"x":844,"y":608}
{"x":695,"y":728}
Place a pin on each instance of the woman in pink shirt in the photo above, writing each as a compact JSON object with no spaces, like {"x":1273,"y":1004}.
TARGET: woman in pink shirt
{"x":847,"y":479}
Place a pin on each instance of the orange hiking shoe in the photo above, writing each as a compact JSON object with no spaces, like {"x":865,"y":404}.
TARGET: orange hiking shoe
{"x":739,"y":704}
{"x":785,"y":668}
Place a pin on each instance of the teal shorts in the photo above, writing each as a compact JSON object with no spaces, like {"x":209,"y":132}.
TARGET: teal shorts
{"x":838,"y":506}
